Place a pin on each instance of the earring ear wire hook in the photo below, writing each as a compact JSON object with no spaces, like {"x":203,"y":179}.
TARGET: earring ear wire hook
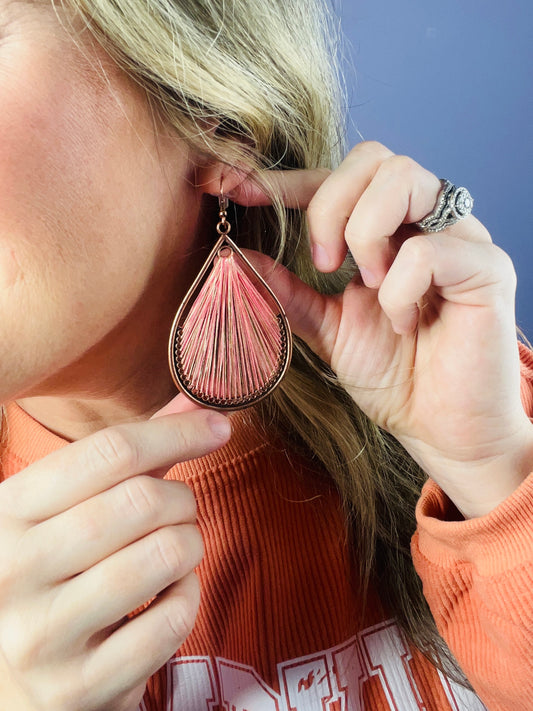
{"x":223,"y":201}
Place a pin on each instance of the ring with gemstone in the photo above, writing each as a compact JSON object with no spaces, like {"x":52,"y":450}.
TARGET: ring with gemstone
{"x":452,"y":205}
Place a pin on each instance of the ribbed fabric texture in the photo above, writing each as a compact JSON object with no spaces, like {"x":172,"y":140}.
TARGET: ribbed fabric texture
{"x":276,"y":582}
{"x":478,"y":580}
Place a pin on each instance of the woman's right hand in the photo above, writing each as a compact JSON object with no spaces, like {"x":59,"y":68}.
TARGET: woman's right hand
{"x":87,"y":535}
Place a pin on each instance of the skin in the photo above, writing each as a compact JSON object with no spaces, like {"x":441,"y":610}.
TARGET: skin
{"x":101,"y":230}
{"x":437,"y":314}
{"x":79,"y":146}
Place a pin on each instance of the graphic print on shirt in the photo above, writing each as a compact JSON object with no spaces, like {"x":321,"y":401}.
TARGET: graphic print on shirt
{"x":331,"y":680}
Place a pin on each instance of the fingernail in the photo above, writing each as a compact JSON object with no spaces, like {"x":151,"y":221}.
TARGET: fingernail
{"x":219,"y":425}
{"x":369,"y":278}
{"x":320,"y":257}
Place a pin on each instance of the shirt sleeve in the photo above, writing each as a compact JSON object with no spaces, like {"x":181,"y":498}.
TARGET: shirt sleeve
{"x":478,"y":581}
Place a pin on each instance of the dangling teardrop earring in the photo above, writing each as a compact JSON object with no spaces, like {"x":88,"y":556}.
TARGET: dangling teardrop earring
{"x":230,"y":343}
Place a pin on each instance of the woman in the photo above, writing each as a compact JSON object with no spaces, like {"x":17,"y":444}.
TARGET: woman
{"x":121,"y":123}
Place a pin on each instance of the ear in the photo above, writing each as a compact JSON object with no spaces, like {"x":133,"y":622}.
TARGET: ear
{"x":296,"y":187}
{"x":235,"y":183}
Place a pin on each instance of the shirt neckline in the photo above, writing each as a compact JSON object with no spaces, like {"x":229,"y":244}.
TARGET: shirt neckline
{"x":28,"y":441}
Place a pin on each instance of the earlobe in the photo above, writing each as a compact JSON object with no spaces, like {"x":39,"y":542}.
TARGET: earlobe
{"x":296,"y":188}
{"x":218,"y":177}
{"x":238,"y":184}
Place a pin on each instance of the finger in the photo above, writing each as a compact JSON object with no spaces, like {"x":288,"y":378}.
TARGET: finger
{"x":179,"y":404}
{"x":111,"y":589}
{"x":334,"y":201}
{"x":96,"y":463}
{"x":400,"y":192}
{"x":296,"y":187}
{"x":329,"y":197}
{"x":140,"y":647}
{"x":469,"y":273}
{"x":313,"y":317}
{"x":106,"y":523}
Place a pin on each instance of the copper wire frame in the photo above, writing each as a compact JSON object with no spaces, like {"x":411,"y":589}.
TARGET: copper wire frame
{"x":174,"y":341}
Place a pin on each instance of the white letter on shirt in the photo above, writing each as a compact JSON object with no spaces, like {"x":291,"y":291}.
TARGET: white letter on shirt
{"x":191,"y":684}
{"x":242,"y":689}
{"x":388,"y":657}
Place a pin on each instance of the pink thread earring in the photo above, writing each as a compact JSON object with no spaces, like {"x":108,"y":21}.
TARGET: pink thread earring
{"x":230,"y":343}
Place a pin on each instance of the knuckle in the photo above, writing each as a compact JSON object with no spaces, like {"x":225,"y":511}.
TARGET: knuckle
{"x":140,"y":497}
{"x":387,"y":301}
{"x":319,"y":209}
{"x":179,"y":621}
{"x":178,"y":549}
{"x":362,"y":247}
{"x":503,"y":270}
{"x":170,"y":553}
{"x":505,"y":263}
{"x":395,"y":166}
{"x":20,"y":556}
{"x":105,"y":581}
{"x":20,"y":642}
{"x":374,"y":147}
{"x":113,"y":448}
{"x":8,"y":500}
{"x":181,"y":614}
{"x":395,"y":306}
{"x":185,"y":436}
{"x":418,"y":251}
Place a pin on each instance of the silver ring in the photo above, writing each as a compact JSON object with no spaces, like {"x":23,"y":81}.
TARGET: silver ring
{"x":452,"y":205}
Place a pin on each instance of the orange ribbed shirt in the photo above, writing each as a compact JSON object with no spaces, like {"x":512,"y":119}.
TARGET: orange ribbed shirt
{"x":279,"y":626}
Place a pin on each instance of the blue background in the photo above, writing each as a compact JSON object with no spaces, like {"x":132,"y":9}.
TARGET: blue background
{"x":448,"y":82}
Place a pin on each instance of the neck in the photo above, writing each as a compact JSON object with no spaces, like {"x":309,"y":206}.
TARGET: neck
{"x":73,"y":418}
{"x":104,"y":388}
{"x":123,"y":378}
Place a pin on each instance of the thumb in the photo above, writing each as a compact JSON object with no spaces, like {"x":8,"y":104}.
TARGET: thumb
{"x":311,"y":315}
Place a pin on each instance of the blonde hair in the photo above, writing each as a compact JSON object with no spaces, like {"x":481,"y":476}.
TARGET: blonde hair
{"x":265,"y":72}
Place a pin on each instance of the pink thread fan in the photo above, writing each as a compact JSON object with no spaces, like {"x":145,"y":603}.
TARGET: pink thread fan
{"x":230,"y":343}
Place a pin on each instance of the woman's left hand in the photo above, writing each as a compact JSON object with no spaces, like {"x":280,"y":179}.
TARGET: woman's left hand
{"x":424,"y":337}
